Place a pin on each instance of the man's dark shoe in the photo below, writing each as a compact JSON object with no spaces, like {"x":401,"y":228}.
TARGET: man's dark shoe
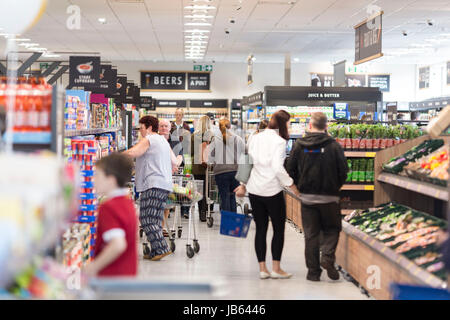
{"x":332,"y":273}
{"x":202,"y":216}
{"x":313,"y":277}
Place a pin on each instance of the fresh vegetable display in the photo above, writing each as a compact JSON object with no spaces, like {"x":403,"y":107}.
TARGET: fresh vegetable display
{"x":396,"y":165}
{"x":432,"y":168}
{"x":406,"y":231}
{"x":371,"y":136}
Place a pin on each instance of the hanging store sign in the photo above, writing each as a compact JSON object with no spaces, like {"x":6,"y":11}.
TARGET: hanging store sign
{"x":355,"y":80}
{"x":340,"y":111}
{"x":322,"y":80}
{"x":198,"y":81}
{"x":249,"y":69}
{"x":84,"y":72}
{"x":256,"y":98}
{"x":382,"y":81}
{"x":108,"y":80}
{"x":147,"y":103}
{"x":171,"y":103}
{"x":391,"y":108}
{"x":368,"y":39}
{"x":137,"y":95}
{"x":214,"y":104}
{"x":121,"y":90}
{"x":129,"y":92}
{"x":199,"y":67}
{"x":175,"y":81}
{"x":424,"y":78}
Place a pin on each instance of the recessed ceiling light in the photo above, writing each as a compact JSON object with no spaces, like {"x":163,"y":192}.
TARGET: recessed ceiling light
{"x":28,"y":45}
{"x":199,"y":7}
{"x":197,"y":24}
{"x":51,"y":55}
{"x":196,"y":42}
{"x":198,"y":16}
{"x":20,"y":39}
{"x":296,"y":59}
{"x":197,"y":37}
{"x":102,"y":20}
{"x":196,"y":31}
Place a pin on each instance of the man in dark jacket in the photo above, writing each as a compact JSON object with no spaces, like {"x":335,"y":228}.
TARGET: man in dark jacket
{"x":179,"y":127}
{"x":319,"y":168}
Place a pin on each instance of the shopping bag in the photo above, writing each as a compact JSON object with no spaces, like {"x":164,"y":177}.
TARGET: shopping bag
{"x":244,"y":168}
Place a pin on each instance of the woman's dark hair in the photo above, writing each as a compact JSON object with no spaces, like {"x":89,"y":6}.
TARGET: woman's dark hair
{"x":279,"y":121}
{"x":148,"y":121}
{"x":262,"y":125}
{"x":118,"y":165}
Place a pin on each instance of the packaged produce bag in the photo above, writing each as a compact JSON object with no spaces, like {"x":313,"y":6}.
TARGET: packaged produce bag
{"x":355,"y":170}
{"x":349,"y":173}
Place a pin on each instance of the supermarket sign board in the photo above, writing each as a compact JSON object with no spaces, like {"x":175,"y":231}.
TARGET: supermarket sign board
{"x":84,"y":72}
{"x":199,"y":67}
{"x":368,"y":39}
{"x":108,"y":80}
{"x":340,"y":110}
{"x":175,"y":81}
{"x":382,"y":81}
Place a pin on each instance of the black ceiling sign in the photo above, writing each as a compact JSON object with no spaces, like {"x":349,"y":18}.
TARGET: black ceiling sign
{"x":198,"y":81}
{"x":215,"y":103}
{"x":236,"y":104}
{"x":322,"y":80}
{"x":256,"y":98}
{"x":108,"y":80}
{"x":171,"y":103}
{"x":163,"y":80}
{"x":368,"y":39}
{"x":355,"y":80}
{"x":147,"y":103}
{"x":292,"y":96}
{"x":84,"y":71}
{"x":121,"y":87}
{"x":382,"y":81}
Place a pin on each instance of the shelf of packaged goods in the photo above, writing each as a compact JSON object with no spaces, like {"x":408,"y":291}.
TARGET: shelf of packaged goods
{"x":358,"y":187}
{"x":73,"y":133}
{"x":359,"y":154}
{"x":421,"y":187}
{"x":39,"y":138}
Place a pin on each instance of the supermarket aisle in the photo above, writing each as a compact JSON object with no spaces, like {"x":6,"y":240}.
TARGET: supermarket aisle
{"x":234,"y":261}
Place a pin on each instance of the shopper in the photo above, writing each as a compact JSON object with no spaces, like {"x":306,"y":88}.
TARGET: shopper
{"x":116,"y":246}
{"x":180,"y":129}
{"x":319,"y":168}
{"x":154,"y":182}
{"x":261,"y":126}
{"x":199,"y":151}
{"x":225,"y":151}
{"x":265,"y":187}
{"x":164,"y":130}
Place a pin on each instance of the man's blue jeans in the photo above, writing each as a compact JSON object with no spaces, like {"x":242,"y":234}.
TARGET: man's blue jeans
{"x":226,"y":184}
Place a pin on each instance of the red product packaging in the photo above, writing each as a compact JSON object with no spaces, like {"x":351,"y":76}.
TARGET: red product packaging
{"x":389,"y":143}
{"x":355,"y":143}
{"x":369,"y":144}
{"x":363,"y":144}
{"x":348,"y":143}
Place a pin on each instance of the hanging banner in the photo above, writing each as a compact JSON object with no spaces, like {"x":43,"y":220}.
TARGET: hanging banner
{"x":147,"y":103}
{"x":322,"y":80}
{"x":129,"y":92}
{"x":137,"y":95}
{"x":355,"y":80}
{"x":163,"y":81}
{"x":84,"y":72}
{"x":424,"y":78}
{"x":340,"y":111}
{"x":108,"y":80}
{"x":121,"y":87}
{"x":368,"y":39}
{"x":381,"y":81}
{"x":250,"y":70}
{"x":199,"y":81}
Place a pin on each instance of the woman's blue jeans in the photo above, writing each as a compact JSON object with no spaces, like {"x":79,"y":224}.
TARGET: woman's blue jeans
{"x":226,"y":184}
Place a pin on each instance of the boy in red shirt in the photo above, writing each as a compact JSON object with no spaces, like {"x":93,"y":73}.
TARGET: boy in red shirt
{"x":116,"y":244}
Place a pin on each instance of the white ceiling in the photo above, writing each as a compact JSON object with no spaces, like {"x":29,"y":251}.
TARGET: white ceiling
{"x":311,"y":30}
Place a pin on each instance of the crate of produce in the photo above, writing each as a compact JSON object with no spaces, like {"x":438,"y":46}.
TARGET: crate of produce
{"x":234,"y":224}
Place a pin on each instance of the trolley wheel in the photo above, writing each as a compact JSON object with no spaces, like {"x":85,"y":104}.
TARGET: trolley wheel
{"x":196,"y":246}
{"x":246,"y":209}
{"x":210,"y":222}
{"x":146,"y":249}
{"x":141,"y":232}
{"x":172,"y":245}
{"x":180,"y":232}
{"x":189,"y":251}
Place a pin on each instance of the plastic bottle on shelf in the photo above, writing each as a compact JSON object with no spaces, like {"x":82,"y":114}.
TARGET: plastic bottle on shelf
{"x":3,"y":93}
{"x":45,"y":92}
{"x":35,"y":105}
{"x":20,"y":109}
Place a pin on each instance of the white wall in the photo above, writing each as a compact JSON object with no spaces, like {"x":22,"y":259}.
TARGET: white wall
{"x":438,"y":82}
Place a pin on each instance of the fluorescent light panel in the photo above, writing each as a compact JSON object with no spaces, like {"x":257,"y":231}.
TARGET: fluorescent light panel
{"x":200,"y":7}
{"x":197,"y":24}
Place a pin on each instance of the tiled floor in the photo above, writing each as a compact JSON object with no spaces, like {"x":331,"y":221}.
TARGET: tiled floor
{"x":232,"y":263}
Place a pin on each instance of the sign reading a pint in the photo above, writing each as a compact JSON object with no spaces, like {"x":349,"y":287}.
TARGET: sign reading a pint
{"x":198,"y":81}
{"x":163,"y":80}
{"x":368,"y":39}
{"x":84,"y":72}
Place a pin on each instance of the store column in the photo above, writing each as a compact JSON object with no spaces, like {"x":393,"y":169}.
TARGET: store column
{"x":287,"y":69}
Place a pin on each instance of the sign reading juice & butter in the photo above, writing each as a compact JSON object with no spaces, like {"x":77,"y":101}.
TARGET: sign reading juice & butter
{"x":368,"y":39}
{"x":84,"y":72}
{"x":175,"y":81}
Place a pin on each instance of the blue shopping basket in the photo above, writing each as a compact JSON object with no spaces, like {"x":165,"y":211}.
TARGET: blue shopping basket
{"x":234,"y":224}
{"x":410,"y":292}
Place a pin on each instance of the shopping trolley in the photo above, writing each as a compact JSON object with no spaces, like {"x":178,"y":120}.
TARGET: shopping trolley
{"x":212,"y":194}
{"x":186,"y":192}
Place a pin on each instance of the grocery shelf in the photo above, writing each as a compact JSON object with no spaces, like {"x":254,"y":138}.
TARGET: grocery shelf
{"x":30,"y":137}
{"x":421,"y":187}
{"x":358,"y":187}
{"x":73,"y":133}
{"x":359,"y":154}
